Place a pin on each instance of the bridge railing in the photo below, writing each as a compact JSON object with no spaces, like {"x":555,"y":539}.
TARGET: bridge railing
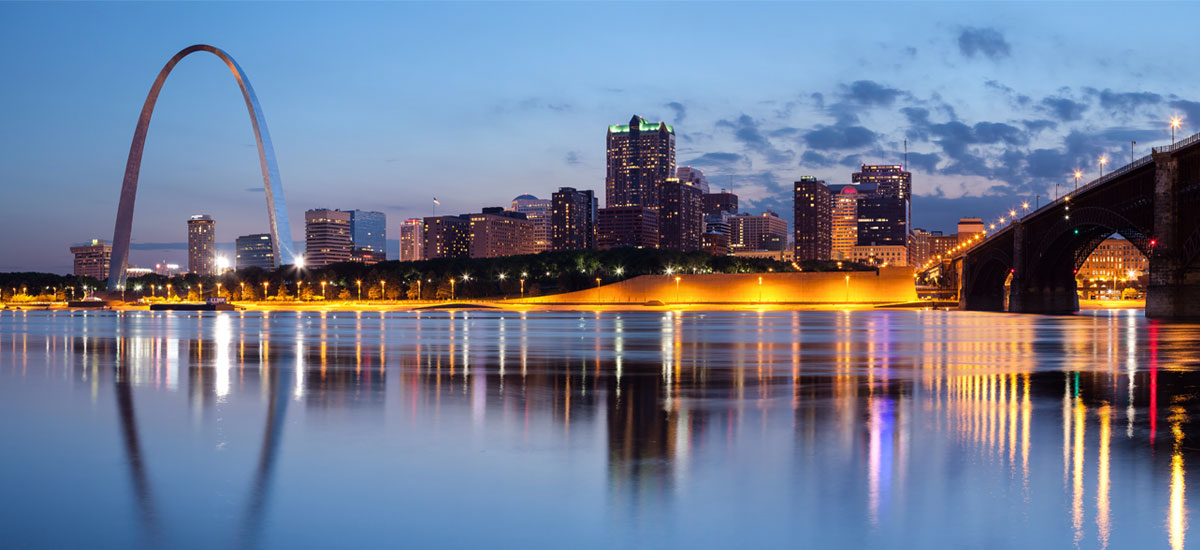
{"x":1190,"y":140}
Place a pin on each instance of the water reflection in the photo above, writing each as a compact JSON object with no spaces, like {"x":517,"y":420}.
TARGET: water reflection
{"x":882,"y":424}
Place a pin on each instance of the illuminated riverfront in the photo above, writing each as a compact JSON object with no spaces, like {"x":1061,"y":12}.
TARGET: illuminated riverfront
{"x":865,"y":429}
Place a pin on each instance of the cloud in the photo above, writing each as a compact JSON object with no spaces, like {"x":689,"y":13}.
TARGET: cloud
{"x":1066,"y":110}
{"x":255,"y":189}
{"x":680,"y":111}
{"x":746,"y":131}
{"x":1191,"y":110}
{"x":816,"y":160}
{"x":870,"y":93}
{"x":926,"y":162}
{"x":1127,"y":101}
{"x":723,"y":160}
{"x":158,"y":246}
{"x":826,"y":138}
{"x":986,"y":42}
{"x":1035,"y":126}
{"x":572,"y":158}
{"x":532,"y":104}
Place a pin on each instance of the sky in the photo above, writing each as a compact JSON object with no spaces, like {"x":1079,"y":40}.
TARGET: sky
{"x":384,"y":106}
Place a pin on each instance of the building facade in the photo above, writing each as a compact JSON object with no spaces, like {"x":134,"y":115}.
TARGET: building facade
{"x":623,"y":226}
{"x":693,"y":176}
{"x":881,"y":221}
{"x":844,"y":225}
{"x":539,"y":213}
{"x":254,"y":251}
{"x":411,"y":238}
{"x":573,"y":219}
{"x":327,"y":237}
{"x":1114,"y":260}
{"x":968,"y":228}
{"x":714,"y":203}
{"x":368,"y":233}
{"x":497,"y":232}
{"x":940,"y":245}
{"x":919,"y":247}
{"x":680,"y":216}
{"x":885,"y":255}
{"x":641,"y":156}
{"x":812,"y":224}
{"x":446,"y":237}
{"x":91,"y":260}
{"x":763,"y":232}
{"x":202,"y":245}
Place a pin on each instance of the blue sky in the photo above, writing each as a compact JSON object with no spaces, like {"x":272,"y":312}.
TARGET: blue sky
{"x":384,"y":106}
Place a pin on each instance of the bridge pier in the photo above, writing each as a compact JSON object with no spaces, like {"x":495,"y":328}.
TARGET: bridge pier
{"x":1174,"y":288}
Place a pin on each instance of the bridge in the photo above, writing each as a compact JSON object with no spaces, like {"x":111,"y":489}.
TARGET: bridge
{"x":1029,"y":265}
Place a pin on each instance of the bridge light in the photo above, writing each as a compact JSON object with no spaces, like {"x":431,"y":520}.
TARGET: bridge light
{"x":1153,"y":242}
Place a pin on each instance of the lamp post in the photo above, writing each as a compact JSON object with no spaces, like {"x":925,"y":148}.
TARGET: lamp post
{"x":323,"y":283}
{"x":170,"y":294}
{"x":419,"y":295}
{"x":201,"y":291}
{"x":265,"y":285}
{"x":382,"y":287}
{"x":847,"y":299}
{"x":218,"y":290}
{"x":1103,"y":161}
{"x":677,"y":278}
{"x":452,"y":288}
{"x":1175,"y":122}
{"x":522,"y":285}
{"x":359,"y":283}
{"x":760,"y":289}
{"x":242,"y":289}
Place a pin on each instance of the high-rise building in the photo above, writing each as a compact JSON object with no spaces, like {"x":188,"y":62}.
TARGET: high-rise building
{"x":919,"y":245}
{"x":368,"y":234}
{"x":889,"y":180}
{"x":845,"y":221}
{"x":968,"y":228}
{"x":680,"y":216}
{"x":411,"y":238}
{"x":641,"y":156}
{"x":538,"y":212}
{"x":812,"y":226}
{"x":327,"y":238}
{"x":626,"y":226}
{"x":497,"y":232}
{"x":255,"y":251}
{"x":91,"y":260}
{"x":446,"y":237}
{"x":883,"y":215}
{"x":202,"y":245}
{"x":766,"y":231}
{"x":573,"y":219}
{"x":713,"y":203}
{"x":694,"y":176}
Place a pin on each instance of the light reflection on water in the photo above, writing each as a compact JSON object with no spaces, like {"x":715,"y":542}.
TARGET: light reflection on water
{"x":769,"y":429}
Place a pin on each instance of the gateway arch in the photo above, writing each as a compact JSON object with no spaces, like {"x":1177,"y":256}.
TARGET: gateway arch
{"x":281,"y":232}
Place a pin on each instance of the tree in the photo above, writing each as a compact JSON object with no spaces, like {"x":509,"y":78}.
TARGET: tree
{"x":344,"y":295}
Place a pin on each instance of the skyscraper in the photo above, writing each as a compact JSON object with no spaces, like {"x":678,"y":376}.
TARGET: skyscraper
{"x":812,"y":204}
{"x":641,"y":156}
{"x":573,"y":219}
{"x":446,"y":237}
{"x":368,"y":234}
{"x":694,"y":176}
{"x":538,"y":212}
{"x":91,"y":260}
{"x":680,"y":216}
{"x":327,"y":238}
{"x":717,"y":202}
{"x":411,"y":239}
{"x":255,"y":251}
{"x":496,"y":232}
{"x":627,"y":226}
{"x":202,"y":247}
{"x":845,"y":221}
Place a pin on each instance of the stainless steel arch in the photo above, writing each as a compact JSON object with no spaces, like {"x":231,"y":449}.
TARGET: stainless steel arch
{"x":281,"y":232}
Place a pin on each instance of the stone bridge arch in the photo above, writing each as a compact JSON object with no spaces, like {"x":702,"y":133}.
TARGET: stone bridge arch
{"x":983,"y":279}
{"x":281,"y":233}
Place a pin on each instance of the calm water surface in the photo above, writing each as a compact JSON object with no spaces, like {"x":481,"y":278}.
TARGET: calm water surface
{"x":574,"y":430}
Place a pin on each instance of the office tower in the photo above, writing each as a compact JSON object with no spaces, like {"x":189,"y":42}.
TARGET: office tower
{"x":91,"y":260}
{"x":712,"y":203}
{"x":538,"y":212}
{"x":626,"y":226}
{"x":327,"y":237}
{"x":573,"y":219}
{"x":919,"y":245}
{"x":680,"y":216}
{"x":368,"y":234}
{"x":446,"y":237}
{"x":202,"y":246}
{"x":812,"y":204}
{"x":496,"y":232}
{"x":968,"y":228}
{"x":255,"y":251}
{"x":760,"y":232}
{"x":891,"y":204}
{"x":694,"y":176}
{"x":881,"y":221}
{"x":641,"y":156}
{"x":411,"y":239}
{"x":889,"y":180}
{"x":845,"y":221}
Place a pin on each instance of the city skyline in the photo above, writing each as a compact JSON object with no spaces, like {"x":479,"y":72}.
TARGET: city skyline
{"x":988,"y":122}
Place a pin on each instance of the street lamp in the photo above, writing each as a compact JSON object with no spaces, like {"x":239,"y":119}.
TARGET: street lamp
{"x":242,"y":289}
{"x":359,"y":283}
{"x":452,"y":288}
{"x":1078,"y":174}
{"x":760,"y":288}
{"x":170,"y":295}
{"x":522,"y":285}
{"x":382,"y":289}
{"x":323,"y":283}
{"x":218,"y":290}
{"x":1175,"y":122}
{"x":265,"y":285}
{"x":1103,"y":161}
{"x":676,"y":288}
